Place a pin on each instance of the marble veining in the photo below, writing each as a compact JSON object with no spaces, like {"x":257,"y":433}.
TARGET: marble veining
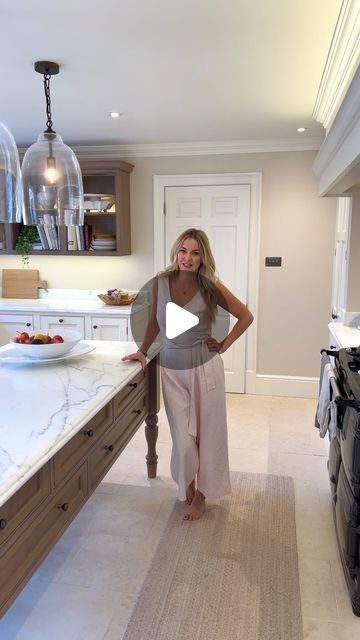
{"x":45,"y":405}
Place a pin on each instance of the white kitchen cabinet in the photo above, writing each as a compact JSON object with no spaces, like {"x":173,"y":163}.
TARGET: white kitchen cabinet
{"x":11,"y":324}
{"x":54,"y":323}
{"x":108,"y":328}
{"x":93,"y":324}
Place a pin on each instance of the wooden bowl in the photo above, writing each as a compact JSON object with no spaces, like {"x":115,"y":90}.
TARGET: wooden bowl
{"x":118,"y":301}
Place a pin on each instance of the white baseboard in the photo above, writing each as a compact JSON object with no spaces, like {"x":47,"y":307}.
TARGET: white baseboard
{"x":287,"y":386}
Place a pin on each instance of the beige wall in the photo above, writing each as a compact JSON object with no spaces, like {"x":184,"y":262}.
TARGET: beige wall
{"x":353,"y":289}
{"x":296,"y":224}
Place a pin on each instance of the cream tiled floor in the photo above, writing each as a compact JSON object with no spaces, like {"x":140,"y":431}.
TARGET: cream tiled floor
{"x":86,"y":587}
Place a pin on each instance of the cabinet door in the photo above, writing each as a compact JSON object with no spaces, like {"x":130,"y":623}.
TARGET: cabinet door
{"x":109,"y":329}
{"x":11,"y":324}
{"x":53,"y":324}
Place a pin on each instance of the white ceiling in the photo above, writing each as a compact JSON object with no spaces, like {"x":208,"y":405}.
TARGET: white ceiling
{"x":178,"y":70}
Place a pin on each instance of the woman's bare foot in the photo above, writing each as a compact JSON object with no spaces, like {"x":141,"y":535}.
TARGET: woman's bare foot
{"x":190,"y":492}
{"x":197,"y":507}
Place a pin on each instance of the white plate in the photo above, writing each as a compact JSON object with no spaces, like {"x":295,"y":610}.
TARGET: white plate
{"x":16,"y":357}
{"x":88,"y":196}
{"x":104,"y":244}
{"x":103,"y":248}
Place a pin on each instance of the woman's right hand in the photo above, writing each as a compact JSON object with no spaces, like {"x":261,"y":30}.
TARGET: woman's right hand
{"x":138,"y":355}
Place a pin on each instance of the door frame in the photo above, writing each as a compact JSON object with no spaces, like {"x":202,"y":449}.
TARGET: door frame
{"x":254,"y":179}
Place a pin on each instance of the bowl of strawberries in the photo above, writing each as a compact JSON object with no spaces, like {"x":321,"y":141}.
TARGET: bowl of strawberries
{"x":41,"y":345}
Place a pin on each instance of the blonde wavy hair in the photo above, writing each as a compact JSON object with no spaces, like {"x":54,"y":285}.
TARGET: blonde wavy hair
{"x":206,"y":275}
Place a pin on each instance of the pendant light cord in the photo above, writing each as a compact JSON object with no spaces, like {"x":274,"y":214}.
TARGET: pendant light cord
{"x":49,"y":122}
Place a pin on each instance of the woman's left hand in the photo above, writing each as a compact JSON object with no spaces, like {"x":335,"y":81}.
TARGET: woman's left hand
{"x":214,"y":345}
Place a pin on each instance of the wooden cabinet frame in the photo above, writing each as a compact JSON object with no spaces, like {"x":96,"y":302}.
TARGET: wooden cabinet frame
{"x":119,"y":171}
{"x":41,"y":510}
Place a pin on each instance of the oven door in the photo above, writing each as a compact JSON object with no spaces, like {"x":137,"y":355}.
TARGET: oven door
{"x":349,"y":437}
{"x":348,"y":525}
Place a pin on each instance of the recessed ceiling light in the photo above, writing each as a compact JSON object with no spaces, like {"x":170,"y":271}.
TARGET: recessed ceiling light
{"x":301,"y":129}
{"x":114,"y":114}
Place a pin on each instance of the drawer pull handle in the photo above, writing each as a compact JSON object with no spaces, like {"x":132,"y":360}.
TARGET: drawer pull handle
{"x":133,"y":385}
{"x":95,"y":326}
{"x":61,"y":319}
{"x":138,"y":411}
{"x":28,"y":324}
{"x":64,"y":506}
{"x":89,"y":433}
{"x":109,"y":447}
{"x":3,"y":523}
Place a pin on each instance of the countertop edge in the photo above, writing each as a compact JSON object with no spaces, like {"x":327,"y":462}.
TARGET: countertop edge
{"x":67,"y":307}
{"x":344,"y":333}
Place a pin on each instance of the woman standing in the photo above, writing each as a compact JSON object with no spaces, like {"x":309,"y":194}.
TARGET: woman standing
{"x":192,"y":371}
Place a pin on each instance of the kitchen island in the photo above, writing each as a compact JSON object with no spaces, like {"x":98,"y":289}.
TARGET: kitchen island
{"x":62,"y":426}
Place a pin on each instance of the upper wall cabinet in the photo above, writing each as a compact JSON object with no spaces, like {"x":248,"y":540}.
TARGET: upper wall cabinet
{"x":106,"y":231}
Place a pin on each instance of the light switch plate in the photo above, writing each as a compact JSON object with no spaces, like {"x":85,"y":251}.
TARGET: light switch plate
{"x":272,"y":262}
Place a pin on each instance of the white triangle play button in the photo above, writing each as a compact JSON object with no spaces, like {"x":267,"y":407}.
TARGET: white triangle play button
{"x":178,"y":320}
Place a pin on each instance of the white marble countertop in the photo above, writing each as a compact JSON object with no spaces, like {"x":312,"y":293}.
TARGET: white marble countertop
{"x":71,"y":301}
{"x":346,"y":336}
{"x":45,"y":405}
{"x":42,"y":305}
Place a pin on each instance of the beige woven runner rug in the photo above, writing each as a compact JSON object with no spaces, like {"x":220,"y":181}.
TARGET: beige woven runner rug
{"x":233,"y":575}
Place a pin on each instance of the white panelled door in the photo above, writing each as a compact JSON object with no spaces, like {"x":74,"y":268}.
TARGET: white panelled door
{"x":340,"y":270}
{"x":223,"y":212}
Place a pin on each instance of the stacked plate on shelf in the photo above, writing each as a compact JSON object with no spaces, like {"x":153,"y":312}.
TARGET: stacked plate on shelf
{"x":98,"y":201}
{"x":103,"y":242}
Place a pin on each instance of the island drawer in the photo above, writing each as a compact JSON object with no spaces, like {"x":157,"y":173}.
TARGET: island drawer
{"x":115,"y":440}
{"x":77,"y":448}
{"x":125,"y":396}
{"x":23,"y":557}
{"x":24,"y":502}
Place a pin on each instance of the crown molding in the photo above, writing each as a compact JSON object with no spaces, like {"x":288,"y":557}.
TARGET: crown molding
{"x":340,"y":153}
{"x":193,"y":148}
{"x":342,"y":62}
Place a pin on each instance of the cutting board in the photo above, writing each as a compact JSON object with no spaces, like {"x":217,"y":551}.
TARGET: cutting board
{"x":21,"y":283}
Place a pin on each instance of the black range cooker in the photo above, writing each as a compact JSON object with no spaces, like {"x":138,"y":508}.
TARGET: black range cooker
{"x":344,"y":467}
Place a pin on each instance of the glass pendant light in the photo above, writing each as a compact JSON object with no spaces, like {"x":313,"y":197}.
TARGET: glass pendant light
{"x":52,"y":182}
{"x":11,"y":200}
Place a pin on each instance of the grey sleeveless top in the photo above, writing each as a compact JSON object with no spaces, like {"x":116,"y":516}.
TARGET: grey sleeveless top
{"x":189,"y":349}
{"x":196,"y":306}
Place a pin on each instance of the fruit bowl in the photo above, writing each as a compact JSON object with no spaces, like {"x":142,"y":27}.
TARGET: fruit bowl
{"x":50,"y":350}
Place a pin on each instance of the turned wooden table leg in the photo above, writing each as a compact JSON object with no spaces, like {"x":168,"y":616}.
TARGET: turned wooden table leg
{"x":151,"y":428}
{"x":151,"y":434}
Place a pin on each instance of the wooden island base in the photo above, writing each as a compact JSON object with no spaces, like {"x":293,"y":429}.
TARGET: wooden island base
{"x":35,"y":517}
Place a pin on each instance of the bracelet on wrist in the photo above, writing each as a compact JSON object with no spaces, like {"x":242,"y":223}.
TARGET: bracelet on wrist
{"x":143,"y":352}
